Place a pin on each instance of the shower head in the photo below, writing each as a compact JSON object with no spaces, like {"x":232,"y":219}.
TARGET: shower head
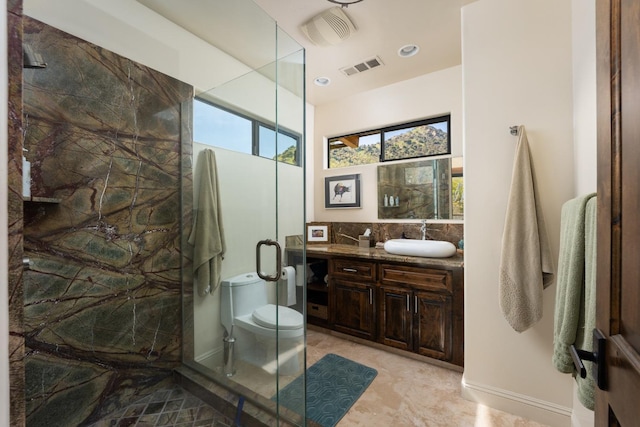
{"x":31,"y":59}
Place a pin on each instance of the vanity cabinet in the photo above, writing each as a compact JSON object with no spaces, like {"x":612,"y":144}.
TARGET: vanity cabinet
{"x":433,"y":326}
{"x":407,"y":303}
{"x":352,"y":291}
{"x":396,"y":317}
{"x":353,"y":308}
{"x":416,"y":310}
{"x":317,"y":290}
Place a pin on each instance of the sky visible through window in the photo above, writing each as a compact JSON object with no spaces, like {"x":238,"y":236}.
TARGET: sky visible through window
{"x":213,"y":126}
{"x":220,"y":128}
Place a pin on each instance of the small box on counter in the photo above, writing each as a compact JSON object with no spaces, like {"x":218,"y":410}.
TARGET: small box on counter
{"x":364,"y":241}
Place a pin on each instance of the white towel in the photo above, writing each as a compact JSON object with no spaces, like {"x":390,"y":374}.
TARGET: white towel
{"x":526,"y":264}
{"x":207,"y":234}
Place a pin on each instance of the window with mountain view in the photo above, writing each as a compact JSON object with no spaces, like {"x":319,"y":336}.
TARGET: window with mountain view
{"x":424,"y":138}
{"x":221,"y":127}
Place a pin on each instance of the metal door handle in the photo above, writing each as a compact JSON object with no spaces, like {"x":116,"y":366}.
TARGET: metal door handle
{"x":275,"y":277}
{"x":408,"y":309}
{"x":370,"y":296}
{"x":597,"y":357}
{"x":415,"y":302}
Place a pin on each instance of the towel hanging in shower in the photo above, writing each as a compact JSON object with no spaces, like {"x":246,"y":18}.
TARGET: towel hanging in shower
{"x":526,"y":265}
{"x":207,"y":233}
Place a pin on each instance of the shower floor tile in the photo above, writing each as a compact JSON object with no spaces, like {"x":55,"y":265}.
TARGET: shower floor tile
{"x":171,"y":406}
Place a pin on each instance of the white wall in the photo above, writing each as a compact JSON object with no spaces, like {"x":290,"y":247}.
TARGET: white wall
{"x":429,"y":95}
{"x":584,"y":128}
{"x":132,"y":30}
{"x":584,"y":95}
{"x":248,"y":197}
{"x":4,"y":301}
{"x":517,"y":65}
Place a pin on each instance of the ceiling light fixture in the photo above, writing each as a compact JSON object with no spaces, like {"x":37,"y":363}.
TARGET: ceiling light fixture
{"x":344,"y":3}
{"x":408,"y":50}
{"x":322,"y":81}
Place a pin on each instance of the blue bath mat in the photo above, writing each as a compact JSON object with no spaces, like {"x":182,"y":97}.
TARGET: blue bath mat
{"x":333,"y":386}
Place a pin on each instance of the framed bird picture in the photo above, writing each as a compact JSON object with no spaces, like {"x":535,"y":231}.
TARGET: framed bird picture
{"x":342,"y":191}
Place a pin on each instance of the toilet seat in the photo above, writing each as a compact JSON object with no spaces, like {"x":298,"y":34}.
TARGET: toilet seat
{"x":287,"y":318}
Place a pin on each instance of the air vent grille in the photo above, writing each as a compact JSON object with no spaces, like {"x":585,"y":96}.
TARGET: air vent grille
{"x":362,"y":66}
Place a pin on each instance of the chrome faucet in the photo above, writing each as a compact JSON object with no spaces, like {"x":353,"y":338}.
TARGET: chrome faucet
{"x":423,"y":229}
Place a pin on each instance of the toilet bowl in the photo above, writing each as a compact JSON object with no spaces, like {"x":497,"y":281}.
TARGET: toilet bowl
{"x":266,"y":335}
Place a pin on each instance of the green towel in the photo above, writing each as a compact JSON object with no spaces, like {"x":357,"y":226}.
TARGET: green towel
{"x":584,"y":338}
{"x":207,"y":233}
{"x":574,"y":318}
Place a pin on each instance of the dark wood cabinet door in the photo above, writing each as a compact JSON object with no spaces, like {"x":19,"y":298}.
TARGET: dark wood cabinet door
{"x":433,"y":331}
{"x":353,"y":308}
{"x":395,"y":317}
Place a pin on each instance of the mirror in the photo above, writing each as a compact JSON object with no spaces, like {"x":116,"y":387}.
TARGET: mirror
{"x":425,"y":189}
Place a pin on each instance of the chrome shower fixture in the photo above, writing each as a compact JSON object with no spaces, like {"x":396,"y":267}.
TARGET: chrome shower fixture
{"x":31,"y":59}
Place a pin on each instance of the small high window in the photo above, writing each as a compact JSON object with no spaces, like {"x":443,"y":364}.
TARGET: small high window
{"x":423,"y":138}
{"x":221,"y":127}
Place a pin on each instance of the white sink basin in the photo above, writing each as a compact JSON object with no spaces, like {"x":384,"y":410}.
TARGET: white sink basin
{"x":423,"y":248}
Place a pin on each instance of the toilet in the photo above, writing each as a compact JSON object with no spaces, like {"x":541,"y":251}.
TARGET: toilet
{"x":251,"y":321}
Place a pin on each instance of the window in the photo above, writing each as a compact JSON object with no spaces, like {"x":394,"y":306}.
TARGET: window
{"x":220,"y":127}
{"x":424,"y":138}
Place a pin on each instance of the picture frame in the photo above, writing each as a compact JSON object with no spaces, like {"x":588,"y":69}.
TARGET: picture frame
{"x":342,"y":191}
{"x":319,"y":233}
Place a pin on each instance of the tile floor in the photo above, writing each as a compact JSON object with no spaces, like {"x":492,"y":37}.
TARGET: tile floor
{"x":408,"y":392}
{"x":405,"y":393}
{"x":172,"y":406}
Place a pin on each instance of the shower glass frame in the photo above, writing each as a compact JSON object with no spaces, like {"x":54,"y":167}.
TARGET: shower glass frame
{"x":273,"y":90}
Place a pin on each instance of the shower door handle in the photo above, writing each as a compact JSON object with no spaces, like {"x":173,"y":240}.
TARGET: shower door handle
{"x":269,"y":242}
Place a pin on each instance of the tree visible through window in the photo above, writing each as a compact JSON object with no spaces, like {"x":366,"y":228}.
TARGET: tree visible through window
{"x":424,"y":138}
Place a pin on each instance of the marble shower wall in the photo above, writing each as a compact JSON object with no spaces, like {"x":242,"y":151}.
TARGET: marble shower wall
{"x":102,"y":299}
{"x":14,"y":211}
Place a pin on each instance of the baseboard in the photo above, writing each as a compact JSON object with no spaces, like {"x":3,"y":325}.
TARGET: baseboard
{"x":541,"y":411}
{"x":208,"y":354}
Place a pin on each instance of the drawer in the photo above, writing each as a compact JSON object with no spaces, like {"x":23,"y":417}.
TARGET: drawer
{"x":426,"y":278}
{"x":353,"y":269}
{"x":317,"y":310}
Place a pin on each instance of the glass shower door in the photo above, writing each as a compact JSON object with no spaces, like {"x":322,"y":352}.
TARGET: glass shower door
{"x":254,"y":125}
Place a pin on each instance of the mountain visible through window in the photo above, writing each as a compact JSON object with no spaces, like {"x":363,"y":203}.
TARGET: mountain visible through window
{"x":424,"y":138}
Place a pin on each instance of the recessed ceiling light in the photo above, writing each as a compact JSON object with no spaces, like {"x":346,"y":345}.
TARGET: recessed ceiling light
{"x":408,"y":50}
{"x":322,"y":81}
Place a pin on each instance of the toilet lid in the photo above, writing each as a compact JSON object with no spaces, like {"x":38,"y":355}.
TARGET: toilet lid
{"x":287,"y":318}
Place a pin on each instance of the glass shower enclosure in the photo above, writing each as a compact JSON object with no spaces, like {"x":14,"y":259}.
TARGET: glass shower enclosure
{"x":254,"y":123}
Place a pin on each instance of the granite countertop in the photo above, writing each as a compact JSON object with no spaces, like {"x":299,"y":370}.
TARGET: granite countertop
{"x":456,"y":261}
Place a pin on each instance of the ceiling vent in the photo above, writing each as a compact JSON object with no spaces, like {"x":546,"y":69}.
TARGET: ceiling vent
{"x":330,"y":27}
{"x":362,"y":66}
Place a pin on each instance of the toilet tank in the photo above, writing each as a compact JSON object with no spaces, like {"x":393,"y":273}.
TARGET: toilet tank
{"x":240,"y":295}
